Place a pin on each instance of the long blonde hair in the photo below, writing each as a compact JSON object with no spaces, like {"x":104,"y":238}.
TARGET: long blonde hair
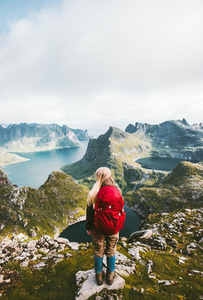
{"x":103,"y":176}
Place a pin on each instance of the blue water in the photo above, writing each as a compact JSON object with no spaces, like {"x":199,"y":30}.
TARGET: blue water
{"x":77,"y":232}
{"x":35,"y":171}
{"x":159,"y":163}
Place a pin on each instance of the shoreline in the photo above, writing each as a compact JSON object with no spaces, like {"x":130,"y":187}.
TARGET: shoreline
{"x":10,"y":158}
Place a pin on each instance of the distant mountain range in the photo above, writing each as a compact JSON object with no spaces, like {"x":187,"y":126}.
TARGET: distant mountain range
{"x":170,"y":134}
{"x":36,"y":137}
{"x":119,"y":150}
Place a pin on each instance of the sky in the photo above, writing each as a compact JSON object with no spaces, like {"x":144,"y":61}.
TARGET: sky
{"x":93,"y":64}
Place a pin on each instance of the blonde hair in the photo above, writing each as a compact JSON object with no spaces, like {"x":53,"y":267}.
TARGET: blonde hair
{"x":103,"y":176}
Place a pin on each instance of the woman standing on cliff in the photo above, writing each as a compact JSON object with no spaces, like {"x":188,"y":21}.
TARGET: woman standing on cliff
{"x":105,"y":217}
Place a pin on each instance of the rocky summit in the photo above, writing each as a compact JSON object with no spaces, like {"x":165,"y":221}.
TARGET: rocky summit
{"x":48,"y":210}
{"x":161,"y":261}
{"x":120,"y":150}
{"x":181,"y":188}
{"x":117,"y":150}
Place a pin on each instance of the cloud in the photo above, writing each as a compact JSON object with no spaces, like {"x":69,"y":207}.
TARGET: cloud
{"x":91,"y":62}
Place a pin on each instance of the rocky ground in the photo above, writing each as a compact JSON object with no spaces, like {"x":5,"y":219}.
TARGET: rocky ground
{"x":181,"y":188}
{"x":161,"y":261}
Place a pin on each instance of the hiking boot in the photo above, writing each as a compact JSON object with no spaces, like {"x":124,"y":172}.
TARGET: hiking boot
{"x":110,"y":277}
{"x":100,"y":278}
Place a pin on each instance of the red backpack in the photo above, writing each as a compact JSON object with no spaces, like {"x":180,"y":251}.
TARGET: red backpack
{"x":109,"y":216}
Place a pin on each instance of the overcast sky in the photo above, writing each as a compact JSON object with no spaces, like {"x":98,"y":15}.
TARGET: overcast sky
{"x":91,"y":64}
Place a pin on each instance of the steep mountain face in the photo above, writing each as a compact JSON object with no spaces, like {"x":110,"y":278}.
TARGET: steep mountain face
{"x":182,"y":188}
{"x":115,"y":149}
{"x":33,"y":137}
{"x":47,"y":210}
{"x":172,"y":138}
{"x":119,"y":151}
{"x":81,"y":134}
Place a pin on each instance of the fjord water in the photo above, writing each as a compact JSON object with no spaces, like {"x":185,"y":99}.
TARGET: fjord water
{"x":35,"y":171}
{"x":160,"y":163}
{"x":77,"y":232}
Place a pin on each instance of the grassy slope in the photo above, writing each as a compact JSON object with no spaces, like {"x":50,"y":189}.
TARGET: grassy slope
{"x":112,"y":149}
{"x":46,"y":210}
{"x":180,"y":189}
{"x":58,"y":281}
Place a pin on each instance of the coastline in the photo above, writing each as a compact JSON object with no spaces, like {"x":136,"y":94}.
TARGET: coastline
{"x":10,"y":158}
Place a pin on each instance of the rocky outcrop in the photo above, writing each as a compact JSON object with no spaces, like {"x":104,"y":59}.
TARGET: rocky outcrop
{"x":37,"y":137}
{"x":47,"y":210}
{"x":4,"y":180}
{"x":112,"y":149}
{"x":25,"y":251}
{"x":162,"y":259}
{"x":88,"y":286}
{"x":182,"y":188}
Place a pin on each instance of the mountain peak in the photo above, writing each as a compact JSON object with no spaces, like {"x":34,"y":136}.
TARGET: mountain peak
{"x":4,"y":180}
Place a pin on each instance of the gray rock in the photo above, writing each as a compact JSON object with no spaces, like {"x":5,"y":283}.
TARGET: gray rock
{"x":141,"y":234}
{"x":61,"y":247}
{"x":73,"y":245}
{"x":31,"y":244}
{"x":149,"y":266}
{"x":32,"y":233}
{"x":39,"y":265}
{"x":197,"y":272}
{"x":135,"y":253}
{"x":124,"y":265}
{"x":86,"y":282}
{"x":124,"y":244}
{"x":193,"y":245}
{"x":1,"y":278}
{"x":24,"y":264}
{"x":135,"y":250}
{"x":166,"y":282}
{"x":172,"y":242}
{"x":158,"y":243}
{"x":61,"y":240}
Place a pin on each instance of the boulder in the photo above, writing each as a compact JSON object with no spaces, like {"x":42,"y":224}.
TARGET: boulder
{"x":141,"y":234}
{"x":157,"y":242}
{"x":86,"y":282}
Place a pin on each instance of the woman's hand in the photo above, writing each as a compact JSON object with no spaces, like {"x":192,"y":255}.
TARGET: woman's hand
{"x":89,"y":232}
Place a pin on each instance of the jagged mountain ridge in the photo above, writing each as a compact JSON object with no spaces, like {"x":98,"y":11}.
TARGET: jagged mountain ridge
{"x":114,"y":149}
{"x":25,"y":137}
{"x":119,"y":150}
{"x":168,"y":138}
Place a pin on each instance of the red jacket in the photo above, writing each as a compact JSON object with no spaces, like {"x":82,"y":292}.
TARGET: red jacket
{"x":106,"y":193}
{"x":110,"y":194}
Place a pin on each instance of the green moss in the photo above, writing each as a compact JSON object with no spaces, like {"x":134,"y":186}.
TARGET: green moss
{"x":46,"y":209}
{"x":51,"y":282}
